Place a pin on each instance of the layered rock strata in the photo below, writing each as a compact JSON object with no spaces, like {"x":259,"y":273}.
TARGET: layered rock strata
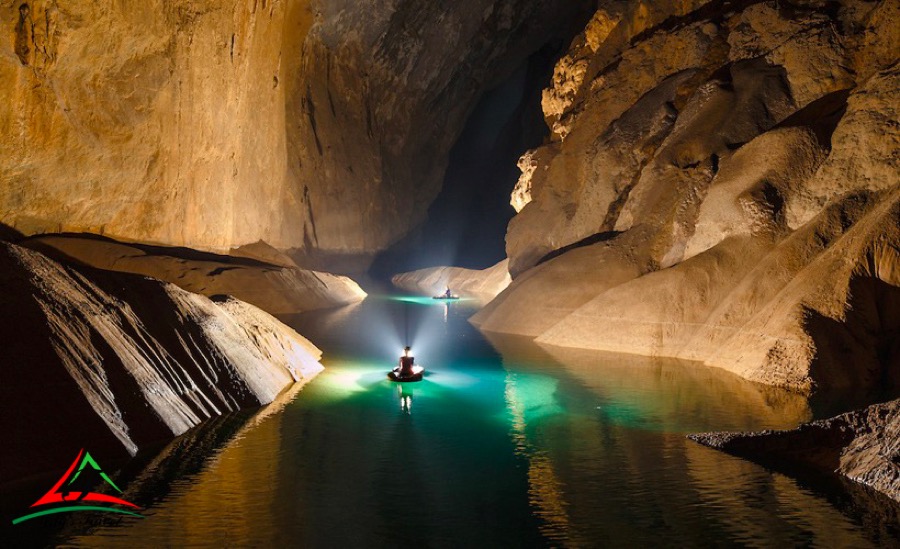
{"x":256,"y":274}
{"x":119,"y":362}
{"x":863,"y":445}
{"x":483,"y":284}
{"x":721,"y":184}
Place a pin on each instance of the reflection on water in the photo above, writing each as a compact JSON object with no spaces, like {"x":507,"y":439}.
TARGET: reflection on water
{"x":504,"y":443}
{"x":527,"y":399}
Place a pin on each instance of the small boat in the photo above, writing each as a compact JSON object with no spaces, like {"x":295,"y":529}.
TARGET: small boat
{"x":446,"y":297}
{"x":418,"y":372}
{"x":409,"y":361}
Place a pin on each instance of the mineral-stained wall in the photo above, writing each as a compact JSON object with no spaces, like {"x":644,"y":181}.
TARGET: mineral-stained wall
{"x":152,"y":121}
{"x":304,"y":123}
{"x":721,"y":183}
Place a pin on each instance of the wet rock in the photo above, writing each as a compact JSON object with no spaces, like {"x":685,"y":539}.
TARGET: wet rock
{"x":863,"y":445}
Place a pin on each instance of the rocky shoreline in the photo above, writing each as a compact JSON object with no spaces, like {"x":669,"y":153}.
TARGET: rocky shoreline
{"x":862,"y":445}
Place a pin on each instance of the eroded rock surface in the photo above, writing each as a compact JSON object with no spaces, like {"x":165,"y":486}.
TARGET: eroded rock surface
{"x":257,"y":274}
{"x":483,"y":284}
{"x":862,"y":445}
{"x":319,"y":125}
{"x":720,"y":184}
{"x":119,"y":362}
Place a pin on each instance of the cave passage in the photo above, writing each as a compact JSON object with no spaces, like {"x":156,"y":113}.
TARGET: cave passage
{"x":503,"y":444}
{"x":467,"y":221}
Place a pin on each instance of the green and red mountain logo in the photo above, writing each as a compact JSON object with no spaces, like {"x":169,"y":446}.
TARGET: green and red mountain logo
{"x":68,"y":490}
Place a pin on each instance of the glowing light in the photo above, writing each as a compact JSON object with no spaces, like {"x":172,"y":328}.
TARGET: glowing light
{"x":406,"y":403}
{"x":350,"y":378}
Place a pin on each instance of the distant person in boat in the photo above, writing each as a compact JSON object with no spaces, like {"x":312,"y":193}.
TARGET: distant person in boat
{"x":447,"y":294}
{"x":406,"y":363}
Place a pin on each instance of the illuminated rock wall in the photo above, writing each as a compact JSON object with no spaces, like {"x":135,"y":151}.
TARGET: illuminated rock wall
{"x":316,"y":125}
{"x":121,"y":362}
{"x":720,"y":184}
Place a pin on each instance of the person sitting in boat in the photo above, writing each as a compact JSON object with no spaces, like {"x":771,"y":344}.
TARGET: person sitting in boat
{"x":406,"y":363}
{"x":448,"y":294}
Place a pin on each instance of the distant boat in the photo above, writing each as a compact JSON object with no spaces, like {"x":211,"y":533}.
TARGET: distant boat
{"x":450,"y":297}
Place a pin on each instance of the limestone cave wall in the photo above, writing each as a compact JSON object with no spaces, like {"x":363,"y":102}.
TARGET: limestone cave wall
{"x":720,"y":183}
{"x":311,"y":125}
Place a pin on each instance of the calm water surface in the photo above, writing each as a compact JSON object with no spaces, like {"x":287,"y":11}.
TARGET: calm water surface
{"x":503,"y":444}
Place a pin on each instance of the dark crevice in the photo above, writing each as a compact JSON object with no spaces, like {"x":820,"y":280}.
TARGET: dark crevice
{"x":311,"y":113}
{"x":593,"y":239}
{"x":309,"y":213}
{"x":188,"y":254}
{"x":868,"y":338}
{"x":219,"y":270}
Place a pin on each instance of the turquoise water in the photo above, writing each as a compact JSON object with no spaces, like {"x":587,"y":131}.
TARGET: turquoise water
{"x":503,"y":444}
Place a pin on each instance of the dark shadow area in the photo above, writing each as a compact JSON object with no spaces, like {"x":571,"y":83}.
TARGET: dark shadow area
{"x":857,"y":360}
{"x":587,"y":241}
{"x":9,"y":234}
{"x":821,"y":116}
{"x":466,"y":223}
{"x":179,"y":252}
{"x":146,"y":479}
{"x":47,"y":419}
{"x":809,"y":456}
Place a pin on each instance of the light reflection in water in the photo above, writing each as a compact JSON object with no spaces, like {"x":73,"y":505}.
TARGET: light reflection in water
{"x":544,"y":488}
{"x":502,"y":450}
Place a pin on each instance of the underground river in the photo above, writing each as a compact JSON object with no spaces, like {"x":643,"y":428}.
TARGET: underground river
{"x":503,"y":444}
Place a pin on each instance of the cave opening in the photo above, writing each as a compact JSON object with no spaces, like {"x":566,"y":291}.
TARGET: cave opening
{"x":466,"y":223}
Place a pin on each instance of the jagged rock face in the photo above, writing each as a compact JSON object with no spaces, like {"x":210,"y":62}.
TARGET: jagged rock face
{"x":482,"y":284}
{"x":721,"y":184}
{"x":863,"y":445}
{"x":670,"y":94}
{"x":121,"y":362}
{"x":308,"y":124}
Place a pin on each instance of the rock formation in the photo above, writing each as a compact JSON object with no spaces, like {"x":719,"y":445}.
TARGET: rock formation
{"x":273,"y":282}
{"x":483,"y":284}
{"x":862,"y":445}
{"x":120,"y":362}
{"x":311,"y":124}
{"x":721,"y":184}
